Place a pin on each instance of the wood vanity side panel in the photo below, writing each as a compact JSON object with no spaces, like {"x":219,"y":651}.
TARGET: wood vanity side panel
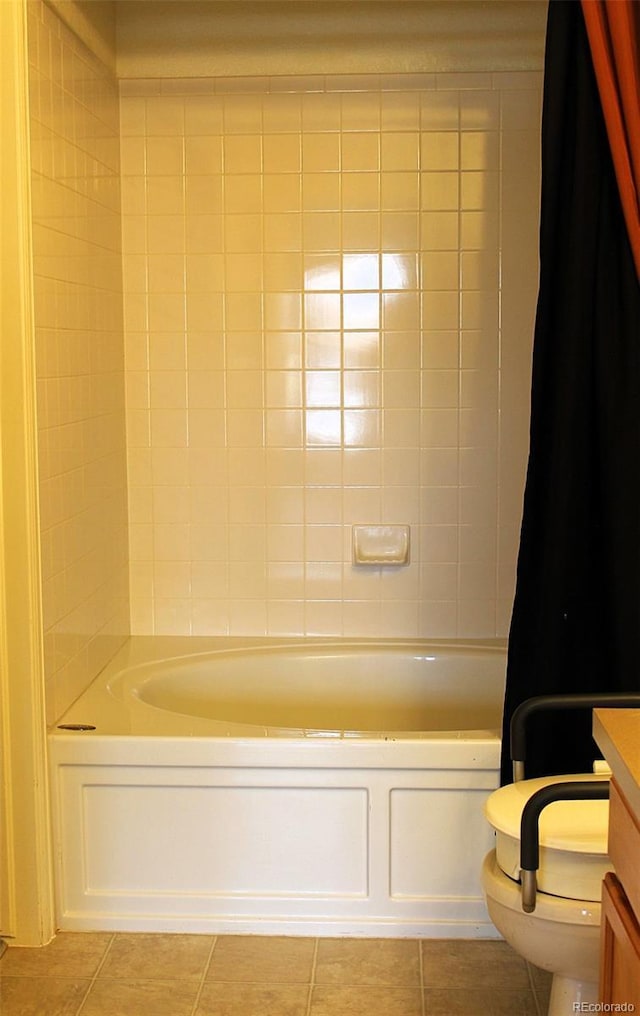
{"x":620,"y":948}
{"x":624,"y":845}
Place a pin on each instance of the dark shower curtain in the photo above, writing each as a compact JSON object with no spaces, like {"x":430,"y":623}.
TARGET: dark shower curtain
{"x":576,"y":618}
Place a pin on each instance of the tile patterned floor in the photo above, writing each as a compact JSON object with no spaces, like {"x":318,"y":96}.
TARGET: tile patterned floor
{"x":105,"y":974}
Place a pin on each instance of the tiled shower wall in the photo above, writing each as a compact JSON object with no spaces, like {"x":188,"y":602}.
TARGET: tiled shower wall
{"x":329,"y":297}
{"x":79,"y":355}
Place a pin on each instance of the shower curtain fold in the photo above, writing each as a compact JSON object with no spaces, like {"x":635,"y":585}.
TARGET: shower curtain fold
{"x":576,"y":618}
{"x":614,"y":39}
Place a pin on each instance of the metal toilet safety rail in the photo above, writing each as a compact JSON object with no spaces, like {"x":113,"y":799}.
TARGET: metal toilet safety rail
{"x":569,"y":790}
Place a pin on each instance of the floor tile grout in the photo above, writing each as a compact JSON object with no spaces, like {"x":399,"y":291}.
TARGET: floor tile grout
{"x":312,"y":977}
{"x":203,"y":979}
{"x":421,"y":975}
{"x":96,"y":974}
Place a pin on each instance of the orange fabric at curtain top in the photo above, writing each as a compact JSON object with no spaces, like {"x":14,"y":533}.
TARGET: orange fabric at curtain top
{"x":613,"y":27}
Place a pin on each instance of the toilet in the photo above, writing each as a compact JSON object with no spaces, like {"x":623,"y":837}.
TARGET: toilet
{"x":562,"y":935}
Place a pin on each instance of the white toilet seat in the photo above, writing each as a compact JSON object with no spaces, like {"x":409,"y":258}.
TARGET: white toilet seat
{"x":573,"y":838}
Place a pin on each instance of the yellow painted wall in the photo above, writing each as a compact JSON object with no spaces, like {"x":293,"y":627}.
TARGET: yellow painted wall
{"x":26,"y":894}
{"x":168,"y":38}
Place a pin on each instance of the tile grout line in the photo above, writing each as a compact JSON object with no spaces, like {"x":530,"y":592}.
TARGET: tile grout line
{"x":422,"y":984}
{"x":534,"y":991}
{"x":312,"y":979}
{"x":196,"y":1001}
{"x":96,"y":974}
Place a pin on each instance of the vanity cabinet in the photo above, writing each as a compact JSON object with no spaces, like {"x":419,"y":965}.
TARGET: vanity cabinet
{"x":620,"y":932}
{"x":618,"y":735}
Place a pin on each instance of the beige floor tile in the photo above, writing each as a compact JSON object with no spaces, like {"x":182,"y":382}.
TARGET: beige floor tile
{"x":368,"y":961}
{"x":365,"y":1001}
{"x":448,"y":963}
{"x":140,"y":998}
{"x":262,"y":959}
{"x":220,"y":998}
{"x":146,"y":956}
{"x":160,"y":975}
{"x":513,"y":1003}
{"x":41,"y":996}
{"x":453,"y":1002}
{"x":69,"y":955}
{"x":467,"y":1002}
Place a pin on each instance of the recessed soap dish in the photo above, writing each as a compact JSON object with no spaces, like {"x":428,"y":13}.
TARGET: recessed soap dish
{"x":381,"y":544}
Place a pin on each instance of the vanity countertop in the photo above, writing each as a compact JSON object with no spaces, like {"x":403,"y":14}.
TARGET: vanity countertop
{"x":617,"y":734}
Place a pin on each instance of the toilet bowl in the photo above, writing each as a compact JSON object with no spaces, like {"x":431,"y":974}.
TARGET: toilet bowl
{"x":562,"y":935}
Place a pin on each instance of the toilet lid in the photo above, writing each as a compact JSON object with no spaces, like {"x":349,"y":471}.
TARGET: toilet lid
{"x":573,"y":838}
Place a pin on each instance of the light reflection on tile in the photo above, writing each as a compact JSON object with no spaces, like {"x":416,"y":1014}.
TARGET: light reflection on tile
{"x":361,"y":310}
{"x":322,"y":273}
{"x":361,"y":271}
{"x":323,"y":427}
{"x":322,"y":310}
{"x":323,"y":388}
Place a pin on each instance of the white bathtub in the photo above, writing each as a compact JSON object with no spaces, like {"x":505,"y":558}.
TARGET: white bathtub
{"x":292,"y":787}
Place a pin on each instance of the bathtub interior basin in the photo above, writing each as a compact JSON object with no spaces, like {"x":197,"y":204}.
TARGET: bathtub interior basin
{"x":398,"y":687}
